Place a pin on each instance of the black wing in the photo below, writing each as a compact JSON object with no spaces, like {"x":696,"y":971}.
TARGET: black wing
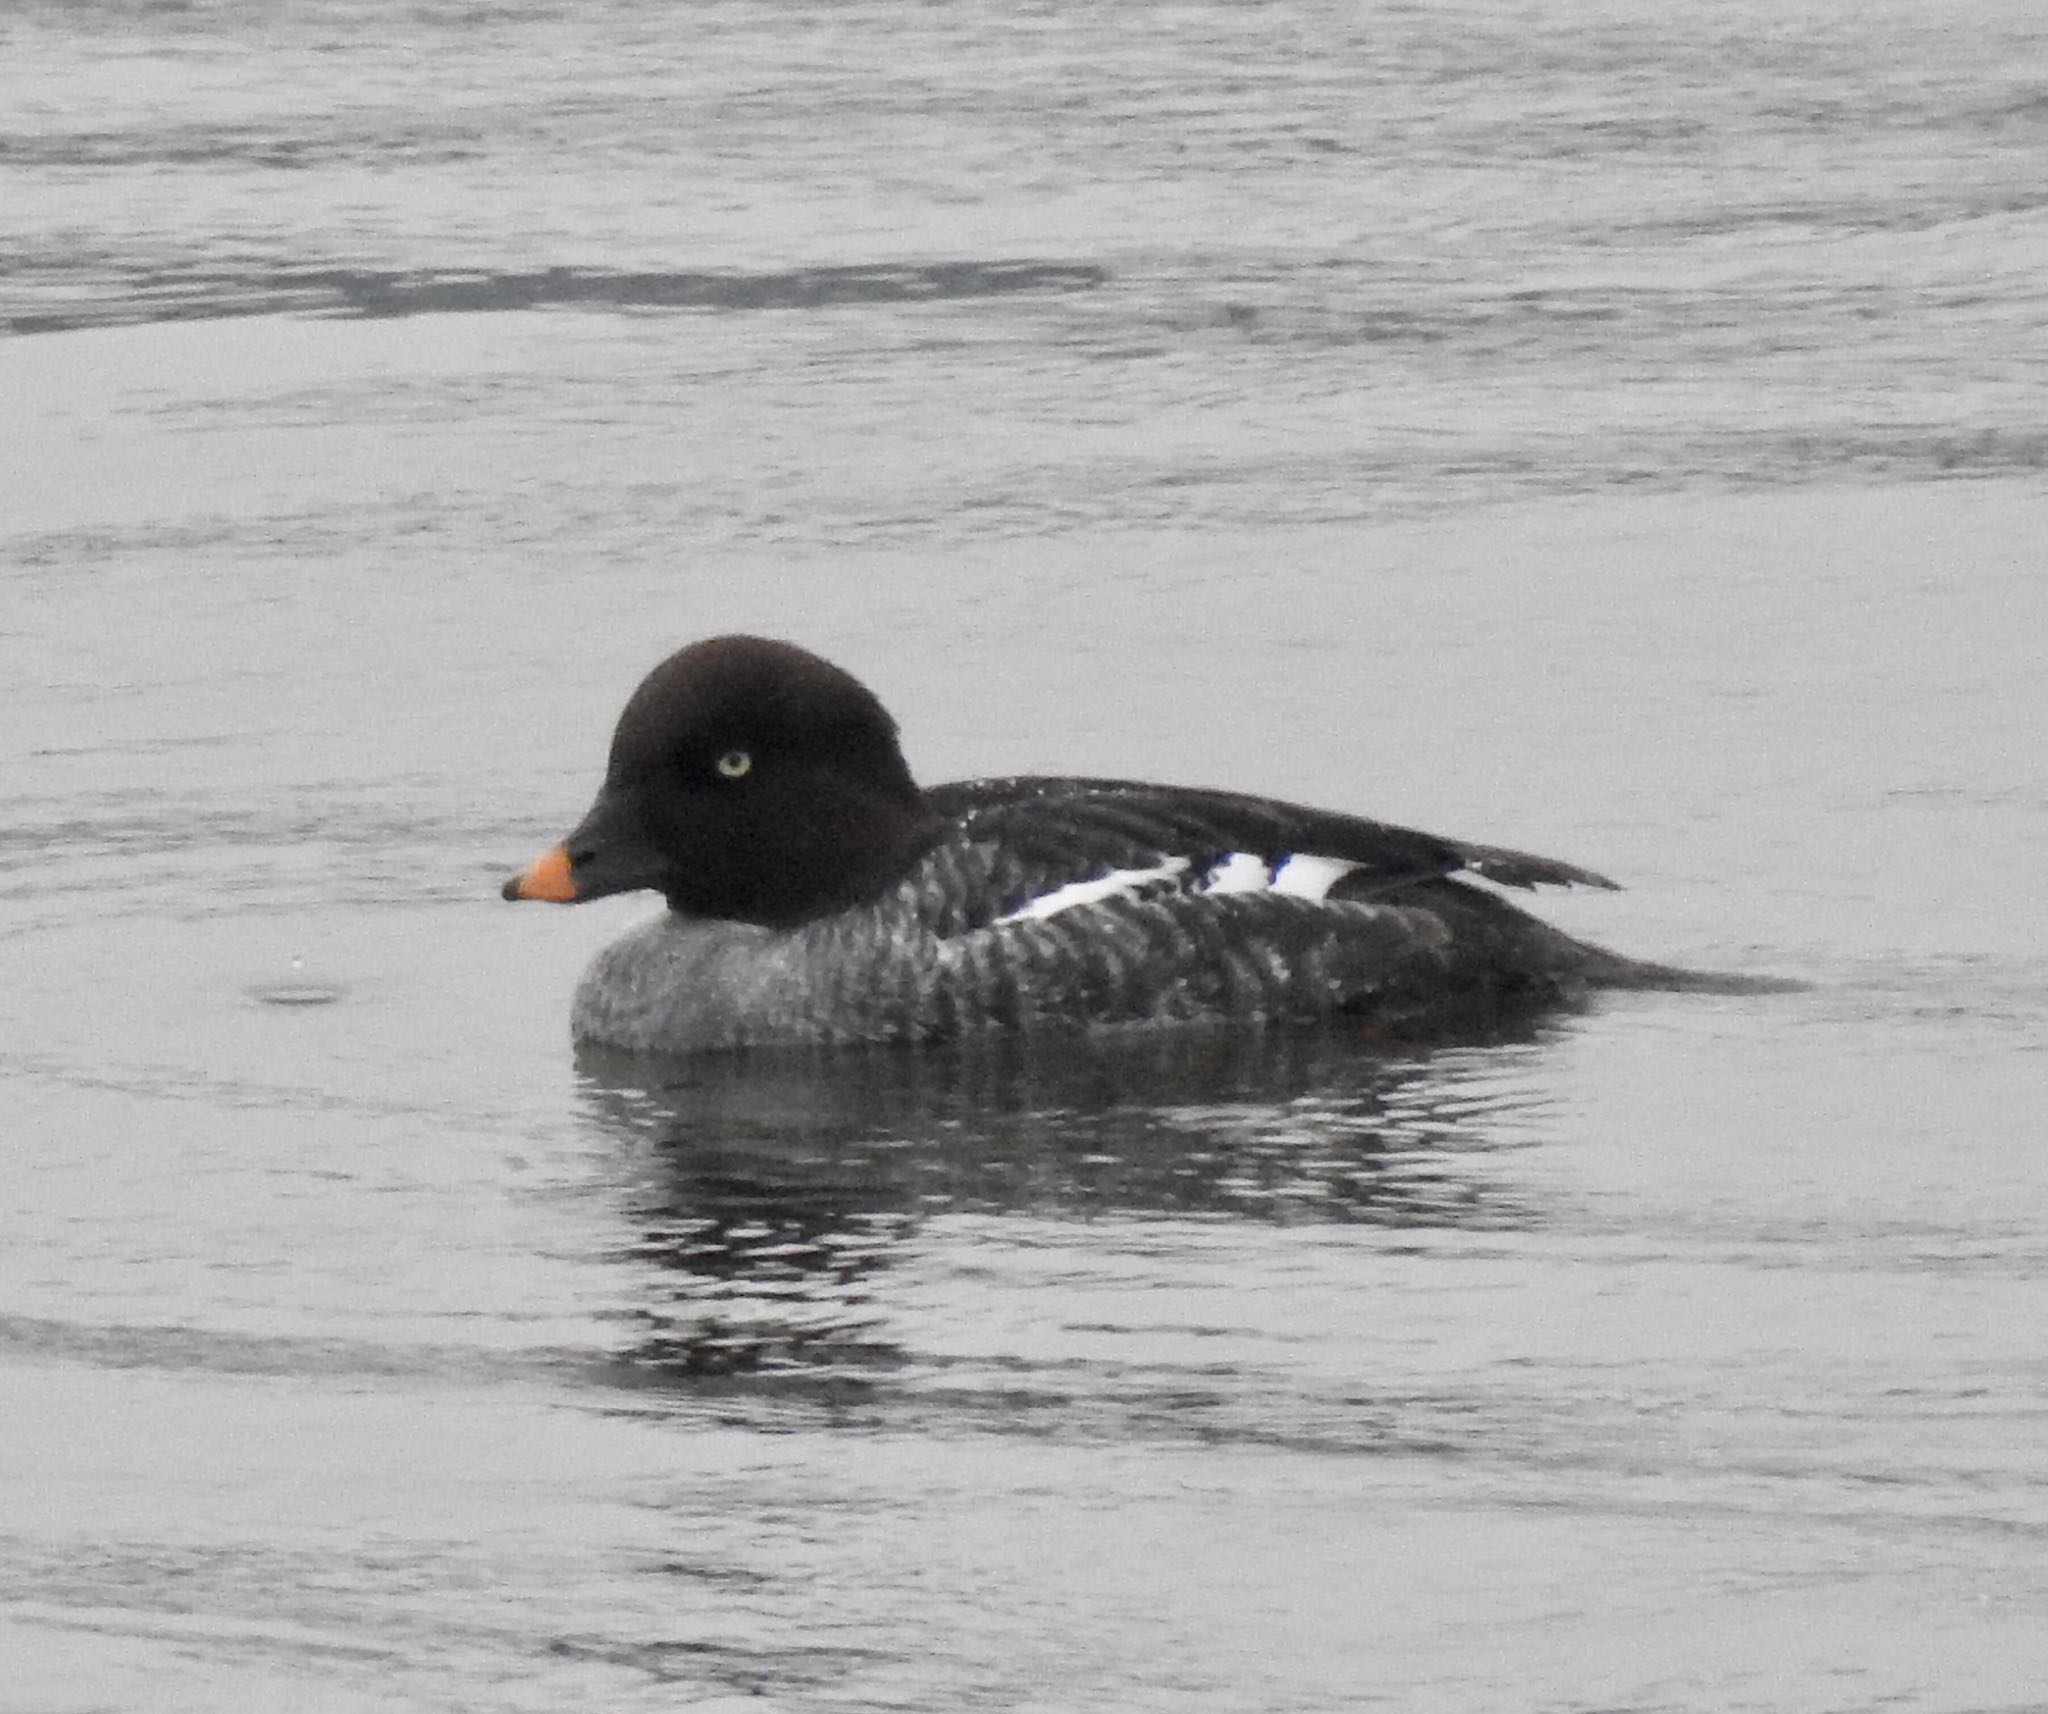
{"x":1028,"y":836}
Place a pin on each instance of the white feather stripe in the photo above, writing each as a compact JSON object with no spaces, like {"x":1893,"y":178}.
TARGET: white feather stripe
{"x":1300,"y":876}
{"x":1118,"y":882}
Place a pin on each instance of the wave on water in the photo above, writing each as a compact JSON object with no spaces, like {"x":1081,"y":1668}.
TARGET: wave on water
{"x":198,"y":294}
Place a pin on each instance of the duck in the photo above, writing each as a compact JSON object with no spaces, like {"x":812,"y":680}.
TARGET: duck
{"x":817,"y":896}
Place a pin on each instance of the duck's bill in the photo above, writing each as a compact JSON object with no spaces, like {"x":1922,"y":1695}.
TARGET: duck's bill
{"x":607,"y":853}
{"x":547,"y":877}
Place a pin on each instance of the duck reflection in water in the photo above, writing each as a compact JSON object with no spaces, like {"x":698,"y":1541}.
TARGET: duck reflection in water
{"x":772,"y":1194}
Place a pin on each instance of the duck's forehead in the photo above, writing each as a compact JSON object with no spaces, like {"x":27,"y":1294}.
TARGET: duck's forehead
{"x":741,"y":687}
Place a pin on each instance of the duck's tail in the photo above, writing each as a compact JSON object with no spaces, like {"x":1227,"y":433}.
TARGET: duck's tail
{"x":1604,"y":969}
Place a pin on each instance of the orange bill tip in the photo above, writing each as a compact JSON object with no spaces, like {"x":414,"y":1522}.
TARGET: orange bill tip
{"x":547,"y":877}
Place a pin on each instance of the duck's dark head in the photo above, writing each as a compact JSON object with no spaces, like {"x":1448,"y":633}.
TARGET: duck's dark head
{"x":749,"y":781}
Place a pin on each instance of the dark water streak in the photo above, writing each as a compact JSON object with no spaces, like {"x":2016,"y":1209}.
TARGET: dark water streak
{"x":198,"y":294}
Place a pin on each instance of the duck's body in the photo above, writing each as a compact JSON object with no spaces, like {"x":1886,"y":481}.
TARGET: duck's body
{"x":818,"y":897}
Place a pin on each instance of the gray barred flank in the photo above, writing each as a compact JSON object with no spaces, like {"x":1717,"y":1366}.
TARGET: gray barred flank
{"x":893,"y":973}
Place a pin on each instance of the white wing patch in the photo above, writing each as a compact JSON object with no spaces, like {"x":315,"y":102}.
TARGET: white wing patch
{"x":1116,"y":883}
{"x":1310,"y":877}
{"x":1300,"y":877}
{"x":1240,"y":872}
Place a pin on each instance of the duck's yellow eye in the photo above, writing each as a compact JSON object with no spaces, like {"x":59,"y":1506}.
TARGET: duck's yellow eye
{"x":735,"y":764}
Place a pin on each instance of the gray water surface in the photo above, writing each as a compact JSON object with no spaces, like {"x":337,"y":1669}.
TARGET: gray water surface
{"x":1603,"y":432}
